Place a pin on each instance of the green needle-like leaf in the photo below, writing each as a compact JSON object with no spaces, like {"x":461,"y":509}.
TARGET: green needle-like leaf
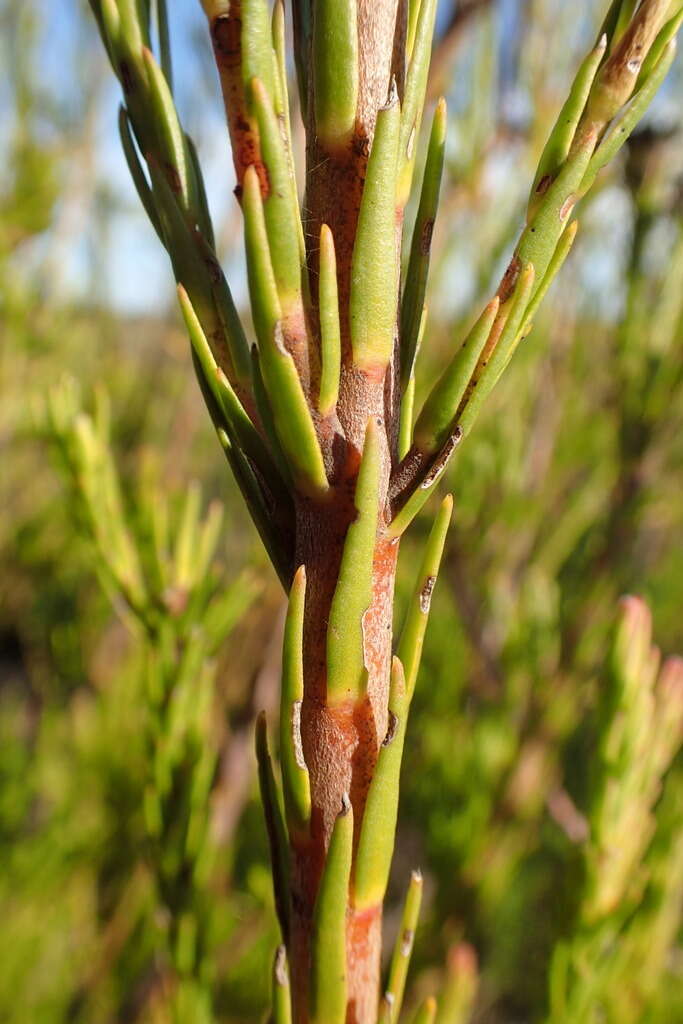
{"x":559,"y":142}
{"x":134,"y":22}
{"x":295,"y":782}
{"x":291,"y":415}
{"x":376,"y":841}
{"x":280,"y":208}
{"x":414,"y":96}
{"x":278,"y":31}
{"x":374,"y":279}
{"x":108,"y":22}
{"x":330,"y":334}
{"x":257,"y":54}
{"x":413,"y":14}
{"x":335,"y":70}
{"x":540,"y":237}
{"x":495,"y":356}
{"x":137,"y":173}
{"x":266,"y":416}
{"x":405,"y":427}
{"x":405,"y":430}
{"x":237,"y":423}
{"x":403,"y":948}
{"x":563,"y":249}
{"x":668,"y":32}
{"x":435,"y":422}
{"x":302,"y":17}
{"x":250,"y":489}
{"x":489,"y":370}
{"x":281,"y":1011}
{"x":265,"y":302}
{"x":204,"y":282}
{"x":328,"y":941}
{"x":281,"y":103}
{"x":170,"y":135}
{"x":203,"y":213}
{"x":346,"y":670}
{"x":625,"y":14}
{"x":420,"y":250}
{"x":417,"y":616}
{"x":275,"y":825}
{"x":164,"y":42}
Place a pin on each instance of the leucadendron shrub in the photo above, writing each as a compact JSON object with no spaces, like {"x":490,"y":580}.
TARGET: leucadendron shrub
{"x":314,"y":407}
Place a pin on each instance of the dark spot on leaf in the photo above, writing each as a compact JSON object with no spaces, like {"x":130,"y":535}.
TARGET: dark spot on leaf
{"x":392,"y":725}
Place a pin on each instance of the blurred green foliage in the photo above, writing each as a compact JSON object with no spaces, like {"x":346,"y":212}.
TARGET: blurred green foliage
{"x":136,"y":649}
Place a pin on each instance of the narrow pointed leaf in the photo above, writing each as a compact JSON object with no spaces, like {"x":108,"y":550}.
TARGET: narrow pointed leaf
{"x":204,"y":282}
{"x":164,"y":43}
{"x":625,"y":14}
{"x":330,"y":334}
{"x":376,"y":841}
{"x":266,"y":416}
{"x":281,"y":211}
{"x":281,"y":1012}
{"x":137,"y":173}
{"x":231,"y":328}
{"x":411,"y":29}
{"x":435,"y":421}
{"x":281,"y":105}
{"x":405,"y":429}
{"x":503,"y":338}
{"x":417,"y":616}
{"x":275,"y":826}
{"x":346,"y":671}
{"x":203,"y":212}
{"x":540,"y":237}
{"x":660,"y":44}
{"x":238,"y":425}
{"x":489,"y":369}
{"x":270,"y":534}
{"x":414,"y":96}
{"x":134,"y":25}
{"x":418,"y":264}
{"x":611,"y":20}
{"x":328,"y":941}
{"x":374,"y":280}
{"x":559,"y":142}
{"x":265,"y":302}
{"x":258,"y":56}
{"x":291,"y":415}
{"x":169,"y":133}
{"x":107,"y":17}
{"x":403,"y":948}
{"x":279,"y":37}
{"x":335,"y":70}
{"x":302,"y":17}
{"x":564,"y":247}
{"x":295,"y":781}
